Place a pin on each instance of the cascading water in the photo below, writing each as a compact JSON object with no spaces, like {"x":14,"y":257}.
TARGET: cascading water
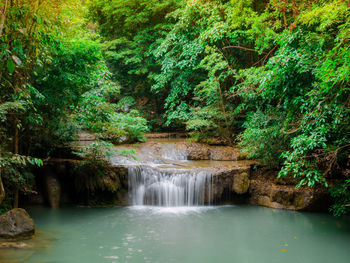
{"x":173,"y":152}
{"x":159,"y":174}
{"x":168,"y":187}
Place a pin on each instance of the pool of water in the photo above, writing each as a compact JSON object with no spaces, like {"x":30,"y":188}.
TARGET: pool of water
{"x":242,"y":234}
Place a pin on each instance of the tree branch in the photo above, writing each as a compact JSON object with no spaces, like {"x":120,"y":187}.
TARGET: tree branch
{"x":244,"y":48}
{"x":265,"y":57}
{"x":3,"y":16}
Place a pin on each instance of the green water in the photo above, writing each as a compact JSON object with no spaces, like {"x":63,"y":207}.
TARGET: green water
{"x":242,"y":234}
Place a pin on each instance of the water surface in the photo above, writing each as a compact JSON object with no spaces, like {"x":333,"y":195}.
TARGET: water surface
{"x":242,"y":234}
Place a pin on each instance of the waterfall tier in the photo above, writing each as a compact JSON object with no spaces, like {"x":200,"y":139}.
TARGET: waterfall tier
{"x":168,"y":187}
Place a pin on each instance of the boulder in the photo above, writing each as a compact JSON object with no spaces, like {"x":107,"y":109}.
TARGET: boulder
{"x":16,"y":224}
{"x":241,"y":183}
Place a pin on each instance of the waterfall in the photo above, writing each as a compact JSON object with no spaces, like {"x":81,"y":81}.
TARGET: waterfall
{"x":168,"y":187}
{"x":173,"y":152}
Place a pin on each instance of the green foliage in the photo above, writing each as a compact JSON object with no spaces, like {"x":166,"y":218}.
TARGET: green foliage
{"x":15,"y":173}
{"x":95,"y":154}
{"x":97,"y":113}
{"x":340,"y":192}
{"x":125,"y":103}
{"x":98,"y":152}
{"x":14,"y":168}
{"x":262,"y":139}
{"x":132,"y":124}
{"x":131,"y":30}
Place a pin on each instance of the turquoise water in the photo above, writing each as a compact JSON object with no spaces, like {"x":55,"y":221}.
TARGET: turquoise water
{"x":242,"y":234}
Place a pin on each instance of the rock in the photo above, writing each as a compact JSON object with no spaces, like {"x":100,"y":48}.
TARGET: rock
{"x":197,"y":151}
{"x":230,"y":180}
{"x":224,"y":153}
{"x":15,"y":224}
{"x":241,"y":183}
{"x":287,"y":196}
{"x":200,"y":151}
{"x":15,"y":245}
{"x":217,"y":141}
{"x":53,"y":189}
{"x":86,"y":137}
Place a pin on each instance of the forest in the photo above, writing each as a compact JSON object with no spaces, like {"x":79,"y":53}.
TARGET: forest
{"x":271,"y":76}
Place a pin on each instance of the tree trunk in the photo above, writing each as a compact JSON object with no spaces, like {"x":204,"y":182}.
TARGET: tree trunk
{"x":2,"y":190}
{"x":227,"y":135}
{"x":15,"y":200}
{"x":3,"y":16}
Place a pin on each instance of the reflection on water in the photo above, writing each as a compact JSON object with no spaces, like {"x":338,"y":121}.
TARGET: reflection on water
{"x":246,"y":234}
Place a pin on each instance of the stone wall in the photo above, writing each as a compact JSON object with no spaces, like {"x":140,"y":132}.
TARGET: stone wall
{"x":70,"y":181}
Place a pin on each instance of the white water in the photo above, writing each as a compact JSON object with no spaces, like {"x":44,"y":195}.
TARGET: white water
{"x":173,"y":152}
{"x":160,"y":175}
{"x":168,"y":187}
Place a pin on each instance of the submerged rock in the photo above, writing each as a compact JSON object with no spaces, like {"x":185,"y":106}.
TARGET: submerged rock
{"x":16,"y":224}
{"x":12,"y":244}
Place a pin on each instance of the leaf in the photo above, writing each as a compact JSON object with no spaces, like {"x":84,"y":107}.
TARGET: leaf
{"x":11,"y":66}
{"x":17,"y":60}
